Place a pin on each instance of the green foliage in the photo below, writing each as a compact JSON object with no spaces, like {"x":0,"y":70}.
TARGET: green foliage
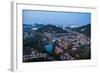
{"x":85,"y":52}
{"x":33,"y":42}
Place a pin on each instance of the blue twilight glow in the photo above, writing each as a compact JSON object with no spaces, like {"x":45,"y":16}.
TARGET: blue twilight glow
{"x":62,"y":18}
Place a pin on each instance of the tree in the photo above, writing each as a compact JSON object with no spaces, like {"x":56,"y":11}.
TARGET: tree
{"x":84,"y":52}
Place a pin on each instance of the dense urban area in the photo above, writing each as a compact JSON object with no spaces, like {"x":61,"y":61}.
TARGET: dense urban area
{"x":56,"y":43}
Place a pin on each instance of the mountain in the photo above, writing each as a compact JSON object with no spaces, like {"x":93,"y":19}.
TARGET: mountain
{"x":37,"y":25}
{"x":51,"y":29}
{"x":27,"y":27}
{"x":85,"y":29}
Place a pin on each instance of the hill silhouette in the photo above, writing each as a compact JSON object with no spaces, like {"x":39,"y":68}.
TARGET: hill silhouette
{"x":51,"y":29}
{"x":86,"y":29}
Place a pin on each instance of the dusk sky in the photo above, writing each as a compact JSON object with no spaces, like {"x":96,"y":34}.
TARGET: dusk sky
{"x":61,"y":18}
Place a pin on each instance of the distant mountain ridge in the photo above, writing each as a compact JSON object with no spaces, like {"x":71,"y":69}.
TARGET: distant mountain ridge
{"x":28,"y":27}
{"x":85,"y":29}
{"x":51,"y":29}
